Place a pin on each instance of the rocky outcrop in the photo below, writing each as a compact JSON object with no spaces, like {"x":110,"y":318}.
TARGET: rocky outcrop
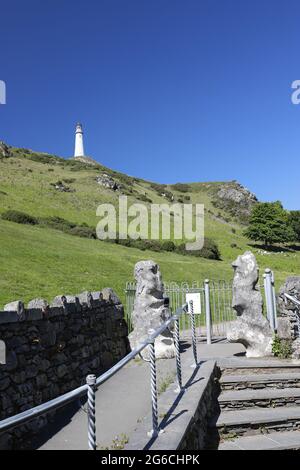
{"x":251,"y":328}
{"x":86,"y":160}
{"x":107,"y":182}
{"x":4,"y":150}
{"x":149,"y":311}
{"x":235,"y":199}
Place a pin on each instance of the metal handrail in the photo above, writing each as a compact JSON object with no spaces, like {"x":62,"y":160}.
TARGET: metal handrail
{"x":20,"y":418}
{"x":292,"y":299}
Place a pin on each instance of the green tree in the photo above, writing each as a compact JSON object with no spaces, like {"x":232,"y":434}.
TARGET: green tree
{"x":294,"y":219}
{"x":269,"y":223}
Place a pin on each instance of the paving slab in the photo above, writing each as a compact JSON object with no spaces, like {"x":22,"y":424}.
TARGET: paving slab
{"x":265,"y":378}
{"x":272,"y":441}
{"x":261,"y":394}
{"x":256,"y":416}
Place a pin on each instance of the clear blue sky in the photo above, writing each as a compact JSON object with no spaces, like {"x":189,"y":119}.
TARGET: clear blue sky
{"x":168,"y":90}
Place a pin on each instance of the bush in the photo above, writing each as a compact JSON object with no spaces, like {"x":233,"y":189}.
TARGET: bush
{"x":57,"y":223}
{"x":160,"y":188}
{"x":69,"y":180}
{"x":19,"y":217}
{"x":181,"y":187}
{"x":168,"y":245}
{"x":144,"y":198}
{"x":281,"y":348}
{"x":85,"y":232}
{"x":210,"y":250}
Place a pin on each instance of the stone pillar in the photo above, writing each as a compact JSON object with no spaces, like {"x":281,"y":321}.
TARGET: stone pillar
{"x":251,"y":328}
{"x":149,"y":311}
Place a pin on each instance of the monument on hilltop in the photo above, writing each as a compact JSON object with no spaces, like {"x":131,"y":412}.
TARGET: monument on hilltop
{"x":79,"y":148}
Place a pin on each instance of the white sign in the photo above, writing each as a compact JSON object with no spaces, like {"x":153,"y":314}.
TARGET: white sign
{"x":196,"y":298}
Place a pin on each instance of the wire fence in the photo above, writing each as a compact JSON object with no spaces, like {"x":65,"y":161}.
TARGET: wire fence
{"x":220,"y":299}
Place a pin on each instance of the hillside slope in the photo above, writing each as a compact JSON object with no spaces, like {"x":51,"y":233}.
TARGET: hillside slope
{"x":39,"y":261}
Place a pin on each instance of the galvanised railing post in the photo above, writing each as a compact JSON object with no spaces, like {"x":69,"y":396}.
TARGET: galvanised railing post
{"x":207,"y":311}
{"x":154,"y":431}
{"x":91,"y":382}
{"x":193,"y":328}
{"x":269,"y":298}
{"x":274,"y":300}
{"x":177,"y":350}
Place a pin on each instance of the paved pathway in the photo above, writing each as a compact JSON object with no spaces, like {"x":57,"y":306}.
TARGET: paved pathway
{"x":121,"y":402}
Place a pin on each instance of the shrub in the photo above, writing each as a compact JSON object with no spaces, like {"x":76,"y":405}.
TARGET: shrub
{"x":210,"y":250}
{"x":69,"y":180}
{"x":281,"y":348}
{"x":57,"y":223}
{"x":168,"y":245}
{"x":144,"y":198}
{"x":158,"y":187}
{"x":19,"y":217}
{"x":85,"y":232}
{"x":181,"y":187}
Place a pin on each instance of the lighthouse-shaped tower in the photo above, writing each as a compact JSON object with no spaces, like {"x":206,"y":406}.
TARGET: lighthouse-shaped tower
{"x":79,"y":149}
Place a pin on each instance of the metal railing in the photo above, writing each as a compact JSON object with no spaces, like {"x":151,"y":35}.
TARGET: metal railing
{"x":296,"y":302}
{"x":215,"y":298}
{"x":92,"y":382}
{"x":216,"y":304}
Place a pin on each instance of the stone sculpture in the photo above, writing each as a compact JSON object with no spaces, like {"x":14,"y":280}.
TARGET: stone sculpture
{"x":150,"y":311}
{"x":251,"y":328}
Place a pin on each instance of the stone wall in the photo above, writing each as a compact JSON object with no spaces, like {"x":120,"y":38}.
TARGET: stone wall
{"x":196,"y":434}
{"x":184,"y":418}
{"x":51,"y":348}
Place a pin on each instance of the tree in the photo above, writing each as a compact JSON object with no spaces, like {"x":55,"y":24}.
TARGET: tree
{"x":294,"y":220}
{"x":269,"y":223}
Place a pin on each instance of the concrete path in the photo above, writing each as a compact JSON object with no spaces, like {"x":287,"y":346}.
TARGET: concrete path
{"x":121,"y":402}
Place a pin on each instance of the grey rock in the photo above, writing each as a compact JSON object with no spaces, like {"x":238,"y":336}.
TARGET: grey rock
{"x":86,"y":299}
{"x":286,"y":308}
{"x":4,"y":150}
{"x":18,"y":307}
{"x":149,"y":311}
{"x":107,"y":182}
{"x":41,"y":304}
{"x":109,"y":294}
{"x":251,"y":328}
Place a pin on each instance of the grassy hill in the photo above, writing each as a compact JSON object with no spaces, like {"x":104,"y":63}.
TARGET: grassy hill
{"x":41,"y":261}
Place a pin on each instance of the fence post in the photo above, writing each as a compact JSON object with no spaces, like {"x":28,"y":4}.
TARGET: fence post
{"x":207,"y":311}
{"x":270,"y":299}
{"x":91,"y":382}
{"x":154,"y":431}
{"x":274,"y":300}
{"x":177,"y":350}
{"x":193,"y":328}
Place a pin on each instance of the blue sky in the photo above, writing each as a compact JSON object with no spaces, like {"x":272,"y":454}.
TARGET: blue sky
{"x":168,"y":90}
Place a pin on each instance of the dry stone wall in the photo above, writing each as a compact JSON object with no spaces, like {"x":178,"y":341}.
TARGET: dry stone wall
{"x":51,"y":348}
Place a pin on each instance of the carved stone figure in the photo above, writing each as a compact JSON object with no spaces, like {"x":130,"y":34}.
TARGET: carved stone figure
{"x":251,"y":328}
{"x":149,"y":311}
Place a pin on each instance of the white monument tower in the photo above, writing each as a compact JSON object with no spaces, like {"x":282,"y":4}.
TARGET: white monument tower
{"x":79,"y":149}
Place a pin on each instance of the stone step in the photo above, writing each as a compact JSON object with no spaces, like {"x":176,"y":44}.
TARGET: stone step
{"x":260,"y":380}
{"x":255,"y":420}
{"x":273,"y":441}
{"x":241,"y":399}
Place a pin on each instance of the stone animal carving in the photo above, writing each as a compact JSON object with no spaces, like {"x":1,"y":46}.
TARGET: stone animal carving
{"x":251,"y":328}
{"x":150,"y":311}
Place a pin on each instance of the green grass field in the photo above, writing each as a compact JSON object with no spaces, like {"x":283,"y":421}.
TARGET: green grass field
{"x":42,"y":262}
